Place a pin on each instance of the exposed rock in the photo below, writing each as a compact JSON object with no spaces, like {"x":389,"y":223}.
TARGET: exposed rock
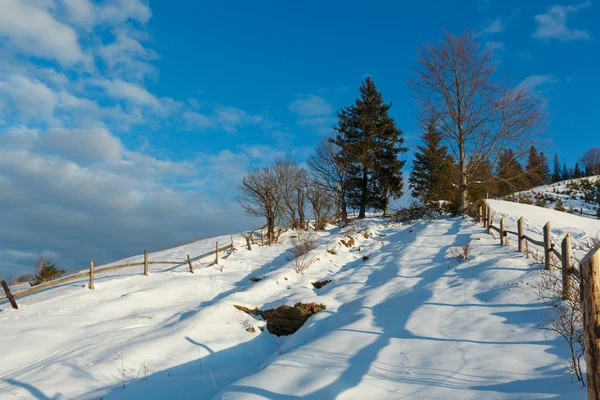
{"x":285,"y":320}
{"x":251,"y":329}
{"x":254,"y":279}
{"x":320,"y":284}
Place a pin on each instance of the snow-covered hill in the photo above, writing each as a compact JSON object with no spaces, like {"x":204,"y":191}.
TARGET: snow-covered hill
{"x":403,"y":320}
{"x":576,"y":195}
{"x":584,"y":231}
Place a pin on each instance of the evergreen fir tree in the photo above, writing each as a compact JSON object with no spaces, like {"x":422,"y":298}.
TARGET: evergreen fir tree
{"x":485,"y":184}
{"x":532,"y":167}
{"x":429,"y":180}
{"x":537,"y":169}
{"x":556,"y":172}
{"x":511,"y":177}
{"x":545,"y":174}
{"x":370,"y":141}
{"x":577,"y":173}
{"x":564,"y":173}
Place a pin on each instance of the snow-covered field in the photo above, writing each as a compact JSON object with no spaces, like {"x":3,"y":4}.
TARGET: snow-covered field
{"x":406,"y":321}
{"x":582,"y":229}
{"x":566,"y":191}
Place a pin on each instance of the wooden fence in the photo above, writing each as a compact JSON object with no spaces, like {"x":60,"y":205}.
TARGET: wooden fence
{"x":588,"y":276}
{"x":92,"y":272}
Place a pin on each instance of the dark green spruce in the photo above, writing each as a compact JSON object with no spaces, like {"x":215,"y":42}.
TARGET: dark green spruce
{"x":371,"y":142}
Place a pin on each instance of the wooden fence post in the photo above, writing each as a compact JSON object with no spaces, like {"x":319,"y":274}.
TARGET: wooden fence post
{"x":146,"y":262}
{"x":217,"y":254}
{"x":9,"y":295}
{"x":262,"y":239}
{"x":489,"y":220}
{"x":521,"y":234}
{"x":190,"y":264}
{"x":248,"y":243}
{"x":547,"y":246}
{"x":567,"y":273}
{"x":590,"y":298}
{"x":484,"y":222}
{"x":91,"y":285}
{"x":480,"y":215}
{"x":502,"y":232}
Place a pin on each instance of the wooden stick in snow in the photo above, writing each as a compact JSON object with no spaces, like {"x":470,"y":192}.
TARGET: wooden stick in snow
{"x":9,"y":295}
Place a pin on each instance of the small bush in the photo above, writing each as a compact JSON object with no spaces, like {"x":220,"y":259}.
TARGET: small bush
{"x":559,"y":205}
{"x":302,"y":245}
{"x":23,"y":279}
{"x":46,"y":271}
{"x":460,"y":253}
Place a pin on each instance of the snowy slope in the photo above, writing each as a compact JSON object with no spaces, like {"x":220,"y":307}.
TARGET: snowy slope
{"x":407,"y":322}
{"x":568,"y":193}
{"x":582,"y":229}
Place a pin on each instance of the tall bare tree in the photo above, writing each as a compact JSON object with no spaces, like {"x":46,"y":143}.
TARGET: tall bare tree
{"x":292,"y":182}
{"x":261,"y":195}
{"x":329,"y":171}
{"x":321,"y":202}
{"x":478,"y":117}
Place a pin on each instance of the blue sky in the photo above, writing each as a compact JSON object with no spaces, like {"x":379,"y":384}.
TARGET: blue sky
{"x":126,"y":124}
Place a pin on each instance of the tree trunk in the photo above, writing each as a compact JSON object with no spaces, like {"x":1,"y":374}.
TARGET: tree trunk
{"x":364,"y":195}
{"x":342,"y":203}
{"x":463,"y":181}
{"x":270,"y":229}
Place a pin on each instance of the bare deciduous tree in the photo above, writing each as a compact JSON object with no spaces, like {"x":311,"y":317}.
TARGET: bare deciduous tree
{"x":321,"y":202}
{"x":591,"y":161}
{"x":292,"y":181}
{"x":477,"y":117}
{"x":330,"y":173}
{"x":261,"y":196}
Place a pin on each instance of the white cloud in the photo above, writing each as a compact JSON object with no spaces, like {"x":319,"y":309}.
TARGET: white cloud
{"x":553,"y":24}
{"x":32,"y":98}
{"x":86,"y":14}
{"x":313,"y":111}
{"x":127,"y":57}
{"x":494,"y":27}
{"x":228,"y":119}
{"x":534,"y":82}
{"x":197,"y":120}
{"x":494,"y":45}
{"x":120,"y":89}
{"x":35,"y":31}
{"x":310,"y":105}
{"x":82,"y":145}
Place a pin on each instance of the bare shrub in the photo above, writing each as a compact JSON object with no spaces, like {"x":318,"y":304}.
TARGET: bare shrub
{"x":565,"y":317}
{"x":592,"y":243}
{"x":466,"y":249}
{"x":23,"y":279}
{"x":460,"y":253}
{"x":302,"y":246}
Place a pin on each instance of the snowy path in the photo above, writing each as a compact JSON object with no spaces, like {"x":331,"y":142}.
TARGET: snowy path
{"x":417,"y":326}
{"x":408,"y":322}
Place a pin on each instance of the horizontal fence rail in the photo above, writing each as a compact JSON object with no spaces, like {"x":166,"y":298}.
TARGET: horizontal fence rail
{"x":92,"y":272}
